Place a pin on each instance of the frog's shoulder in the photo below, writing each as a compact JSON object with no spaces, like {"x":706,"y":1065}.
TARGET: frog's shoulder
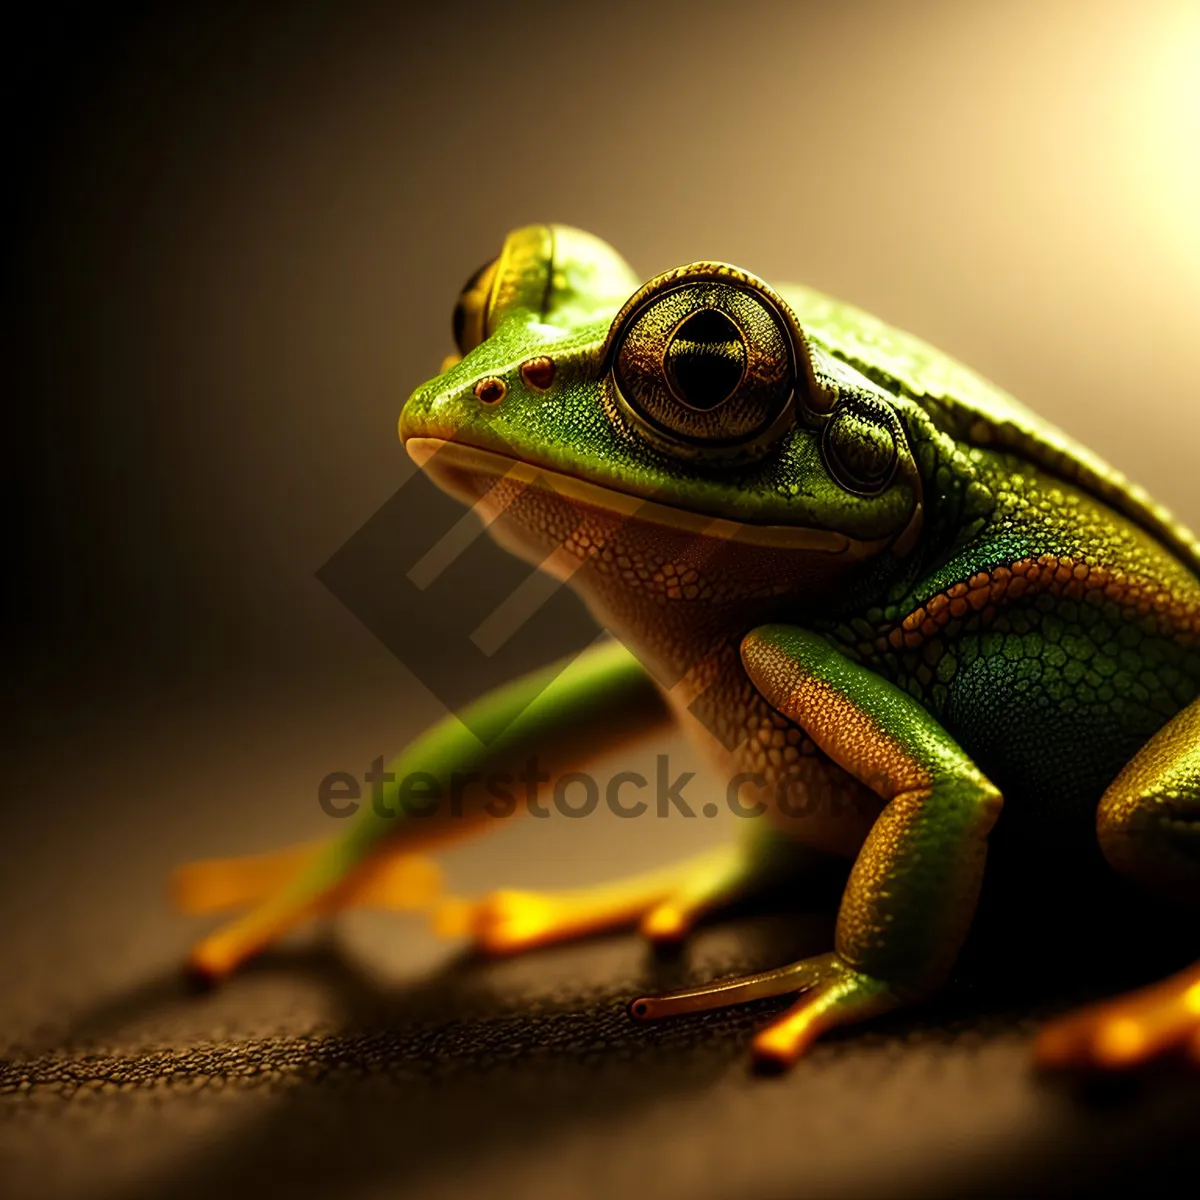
{"x":972,"y":410}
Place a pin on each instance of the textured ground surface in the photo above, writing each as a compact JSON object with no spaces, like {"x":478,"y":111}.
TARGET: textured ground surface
{"x":368,"y":1059}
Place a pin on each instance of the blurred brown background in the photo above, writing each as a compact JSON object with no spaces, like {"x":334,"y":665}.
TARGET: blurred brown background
{"x":234,"y":243}
{"x":241,"y":236}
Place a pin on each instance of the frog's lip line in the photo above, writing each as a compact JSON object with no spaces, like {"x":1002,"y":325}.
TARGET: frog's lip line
{"x":451,"y":454}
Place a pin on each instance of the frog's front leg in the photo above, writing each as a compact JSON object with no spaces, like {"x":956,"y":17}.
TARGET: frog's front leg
{"x":912,"y":891}
{"x":1148,"y":823}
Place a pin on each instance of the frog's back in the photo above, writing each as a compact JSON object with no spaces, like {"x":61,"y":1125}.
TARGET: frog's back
{"x":970,"y":409}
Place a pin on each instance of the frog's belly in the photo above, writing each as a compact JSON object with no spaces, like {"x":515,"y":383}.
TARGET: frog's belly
{"x":765,"y":764}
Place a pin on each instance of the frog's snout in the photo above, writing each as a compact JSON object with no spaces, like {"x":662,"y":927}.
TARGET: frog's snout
{"x":407,"y":426}
{"x":415,"y":416}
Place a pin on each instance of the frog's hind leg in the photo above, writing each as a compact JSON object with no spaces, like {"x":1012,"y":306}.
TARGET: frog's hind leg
{"x":559,"y":716}
{"x":1149,"y":828}
{"x":284,"y":889}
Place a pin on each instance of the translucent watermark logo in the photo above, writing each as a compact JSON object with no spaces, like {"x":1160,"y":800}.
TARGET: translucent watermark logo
{"x":465,"y":616}
{"x":424,"y":578}
{"x":625,"y":794}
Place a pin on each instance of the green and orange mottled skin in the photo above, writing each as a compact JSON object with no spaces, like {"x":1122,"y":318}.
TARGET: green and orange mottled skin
{"x":898,"y":609}
{"x":1053,"y":623}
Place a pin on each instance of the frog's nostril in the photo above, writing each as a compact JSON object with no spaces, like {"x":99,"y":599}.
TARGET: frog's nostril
{"x":490,"y":390}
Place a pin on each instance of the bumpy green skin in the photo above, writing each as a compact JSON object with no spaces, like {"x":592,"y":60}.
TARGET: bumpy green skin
{"x":1014,"y":618}
{"x":1149,"y":819}
{"x":1051,"y":694}
{"x":920,"y":868}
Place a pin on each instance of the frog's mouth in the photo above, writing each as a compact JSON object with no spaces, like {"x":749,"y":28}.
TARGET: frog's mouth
{"x":471,"y":474}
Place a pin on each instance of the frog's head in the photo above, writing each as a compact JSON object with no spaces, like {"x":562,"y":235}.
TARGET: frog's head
{"x":693,"y":405}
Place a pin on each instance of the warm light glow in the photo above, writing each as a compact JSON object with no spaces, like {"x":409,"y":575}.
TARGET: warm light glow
{"x":1167,"y":126}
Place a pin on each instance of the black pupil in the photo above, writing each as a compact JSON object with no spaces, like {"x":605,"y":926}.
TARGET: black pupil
{"x":705,"y":360}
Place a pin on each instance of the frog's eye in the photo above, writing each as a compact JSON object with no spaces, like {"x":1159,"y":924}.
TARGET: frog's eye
{"x":859,"y":444}
{"x":471,"y":311}
{"x":704,"y":358}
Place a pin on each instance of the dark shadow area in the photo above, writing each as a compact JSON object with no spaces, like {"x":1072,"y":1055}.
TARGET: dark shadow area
{"x":420,"y":1077}
{"x":425,"y":1078}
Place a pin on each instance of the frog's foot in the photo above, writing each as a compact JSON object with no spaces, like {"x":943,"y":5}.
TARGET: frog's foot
{"x":665,"y":904}
{"x":401,"y":881}
{"x":1147,"y":825}
{"x":398,"y":881}
{"x":834,"y":994}
{"x":1129,"y":1030}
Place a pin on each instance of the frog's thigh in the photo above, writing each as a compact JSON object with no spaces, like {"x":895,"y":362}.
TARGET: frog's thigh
{"x":666,"y":902}
{"x":912,"y":891}
{"x":1149,"y":828}
{"x":1148,"y":821}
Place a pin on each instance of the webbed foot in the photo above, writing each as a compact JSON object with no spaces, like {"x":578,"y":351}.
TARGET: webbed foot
{"x":665,"y":904}
{"x":834,"y":993}
{"x":401,"y":882}
{"x":1129,"y":1030}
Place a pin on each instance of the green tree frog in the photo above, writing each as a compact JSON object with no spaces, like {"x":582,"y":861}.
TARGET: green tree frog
{"x":905,"y":614}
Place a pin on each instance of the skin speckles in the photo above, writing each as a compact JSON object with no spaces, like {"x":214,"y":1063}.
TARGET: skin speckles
{"x":538,"y":373}
{"x":490,"y":390}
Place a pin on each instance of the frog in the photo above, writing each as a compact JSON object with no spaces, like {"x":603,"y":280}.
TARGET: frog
{"x":908,"y":619}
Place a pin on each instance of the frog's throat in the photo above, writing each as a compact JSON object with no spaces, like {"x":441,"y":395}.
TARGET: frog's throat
{"x":454,"y":465}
